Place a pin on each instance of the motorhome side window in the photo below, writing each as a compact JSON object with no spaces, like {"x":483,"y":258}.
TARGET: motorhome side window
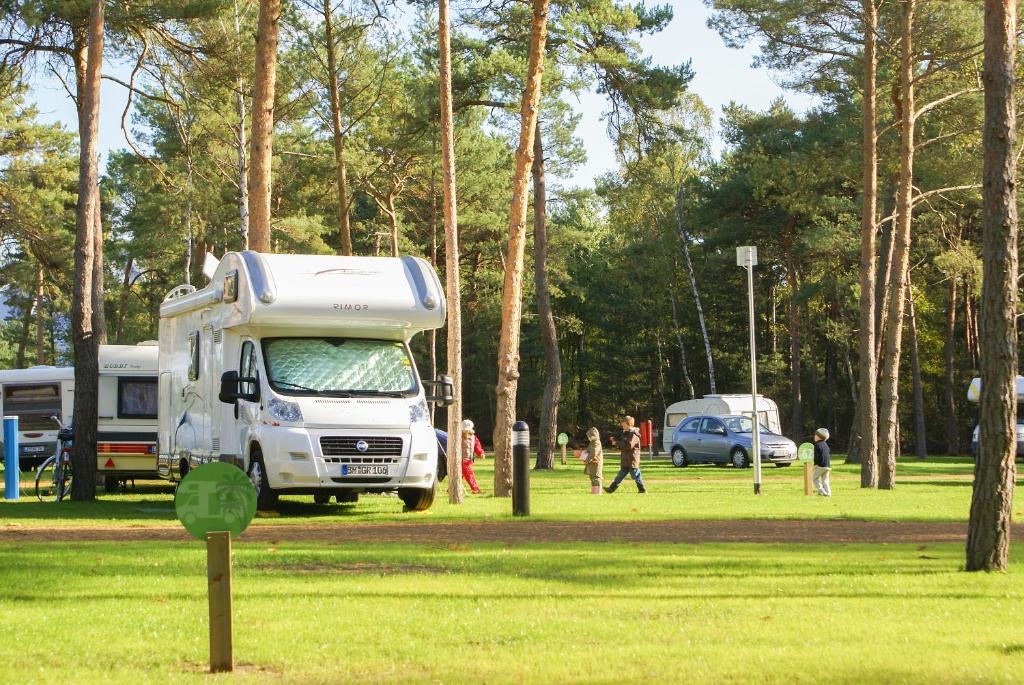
{"x":248,"y":368}
{"x":193,"y":351}
{"x":339,"y":366}
{"x":136,"y":398}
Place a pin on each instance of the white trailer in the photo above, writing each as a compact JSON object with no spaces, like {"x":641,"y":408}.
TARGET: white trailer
{"x":297,"y":369}
{"x":126,"y":403}
{"x":34,"y":395}
{"x":719,"y":405}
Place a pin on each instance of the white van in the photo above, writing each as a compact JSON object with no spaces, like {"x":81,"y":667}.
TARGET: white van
{"x":297,"y":369}
{"x":719,"y":405}
{"x":34,"y":395}
{"x":974,"y":395}
{"x":126,"y":403}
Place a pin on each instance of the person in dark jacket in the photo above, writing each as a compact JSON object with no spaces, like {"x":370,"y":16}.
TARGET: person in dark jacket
{"x":629,"y":456}
{"x":822,"y":462}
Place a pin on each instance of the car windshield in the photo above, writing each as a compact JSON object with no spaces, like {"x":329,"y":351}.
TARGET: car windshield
{"x":743,"y":424}
{"x":339,"y":366}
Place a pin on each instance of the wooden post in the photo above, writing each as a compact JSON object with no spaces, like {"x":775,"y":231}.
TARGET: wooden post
{"x":563,"y":455}
{"x":807,"y":477}
{"x":218,"y":577}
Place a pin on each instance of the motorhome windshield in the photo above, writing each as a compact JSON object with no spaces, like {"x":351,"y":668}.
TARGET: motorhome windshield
{"x":741,"y":424}
{"x":339,"y":367}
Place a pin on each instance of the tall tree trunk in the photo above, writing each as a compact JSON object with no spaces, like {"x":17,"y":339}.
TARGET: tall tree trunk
{"x":99,"y":314}
{"x":888,"y":414}
{"x":243,"y":189}
{"x":546,"y":319}
{"x":337,"y":131}
{"x":884,"y":276}
{"x":867,"y":402}
{"x":40,"y":317}
{"x":920,"y":436}
{"x":988,"y":534}
{"x":583,"y":416}
{"x":26,"y":327}
{"x":83,"y":334}
{"x":451,"y":239}
{"x":261,"y":152}
{"x":684,"y":237}
{"x":853,"y":449}
{"x":684,"y":369}
{"x":392,"y":222}
{"x":793,"y":314}
{"x":949,"y":399}
{"x":122,"y":309}
{"x":512,"y":291}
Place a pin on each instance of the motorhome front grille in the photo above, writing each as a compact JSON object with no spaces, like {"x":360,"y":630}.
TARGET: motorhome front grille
{"x":345,"y":446}
{"x":361,"y":460}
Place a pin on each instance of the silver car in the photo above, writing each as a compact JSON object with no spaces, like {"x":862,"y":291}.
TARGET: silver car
{"x":727,"y":440}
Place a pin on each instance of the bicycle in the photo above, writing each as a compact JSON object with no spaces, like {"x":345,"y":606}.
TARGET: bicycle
{"x":59,"y":486}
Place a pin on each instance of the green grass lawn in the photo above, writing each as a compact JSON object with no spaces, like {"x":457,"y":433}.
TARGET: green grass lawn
{"x":938,"y":489}
{"x":606,"y":613}
{"x":541,"y":613}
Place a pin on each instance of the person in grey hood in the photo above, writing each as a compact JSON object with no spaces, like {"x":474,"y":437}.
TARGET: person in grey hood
{"x":629,"y":456}
{"x":594,"y":460}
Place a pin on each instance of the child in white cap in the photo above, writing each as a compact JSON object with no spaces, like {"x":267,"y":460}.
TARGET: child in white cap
{"x":471,"y":448}
{"x":822,"y":462}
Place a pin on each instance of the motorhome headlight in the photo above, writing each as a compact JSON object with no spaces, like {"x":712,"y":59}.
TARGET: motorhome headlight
{"x":418,"y":412}
{"x":282,"y":410}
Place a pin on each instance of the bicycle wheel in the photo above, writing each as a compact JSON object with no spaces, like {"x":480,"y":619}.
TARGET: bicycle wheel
{"x":62,"y":477}
{"x":44,"y":487}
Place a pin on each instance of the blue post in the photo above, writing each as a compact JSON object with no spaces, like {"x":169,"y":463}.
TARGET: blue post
{"x":12,"y":472}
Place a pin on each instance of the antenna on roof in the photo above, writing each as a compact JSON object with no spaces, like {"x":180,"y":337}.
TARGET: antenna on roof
{"x":210,"y":264}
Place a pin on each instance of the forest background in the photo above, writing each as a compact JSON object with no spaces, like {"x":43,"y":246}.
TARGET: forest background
{"x":646,"y":300}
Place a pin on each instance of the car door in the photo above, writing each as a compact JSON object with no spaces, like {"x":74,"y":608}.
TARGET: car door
{"x":247,"y":410}
{"x":688,"y":437}
{"x":714,"y":440}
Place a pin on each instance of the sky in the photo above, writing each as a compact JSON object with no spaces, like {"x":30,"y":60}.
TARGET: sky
{"x":722,"y":75}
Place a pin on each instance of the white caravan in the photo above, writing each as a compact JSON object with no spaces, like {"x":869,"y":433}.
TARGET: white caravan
{"x":974,"y":395}
{"x":126,"y":409}
{"x":126,"y":427}
{"x":297,"y":369}
{"x":34,"y":395}
{"x":719,"y":405}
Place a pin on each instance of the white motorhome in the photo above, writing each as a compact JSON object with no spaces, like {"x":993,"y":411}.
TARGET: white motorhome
{"x":974,"y":395}
{"x":719,"y":405}
{"x":126,"y":403}
{"x":297,"y":369}
{"x":34,"y":395}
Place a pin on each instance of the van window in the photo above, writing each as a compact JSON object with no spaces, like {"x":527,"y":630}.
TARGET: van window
{"x":690,"y":426}
{"x":339,"y":366}
{"x":248,"y":368}
{"x":136,"y":398}
{"x":672,"y":419}
{"x":33,"y":405}
{"x":193,"y":353}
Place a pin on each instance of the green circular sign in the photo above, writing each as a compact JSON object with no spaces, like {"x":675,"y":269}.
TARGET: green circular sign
{"x":215,"y":497}
{"x":563,"y":439}
{"x":805,"y":452}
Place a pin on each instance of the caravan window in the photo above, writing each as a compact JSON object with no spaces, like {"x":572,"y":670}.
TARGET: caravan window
{"x":136,"y":398}
{"x":671,"y":420}
{"x":193,"y":353}
{"x":33,"y":405}
{"x":339,"y":366}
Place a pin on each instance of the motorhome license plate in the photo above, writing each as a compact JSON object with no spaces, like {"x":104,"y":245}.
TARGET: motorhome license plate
{"x":363,"y":470}
{"x":34,"y":448}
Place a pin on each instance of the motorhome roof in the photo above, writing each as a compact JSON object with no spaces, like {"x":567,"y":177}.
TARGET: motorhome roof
{"x":371,"y":296}
{"x":974,"y":390}
{"x":121,"y":358}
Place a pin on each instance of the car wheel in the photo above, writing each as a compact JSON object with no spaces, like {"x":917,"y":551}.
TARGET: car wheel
{"x":739,"y":459}
{"x":266,"y":498}
{"x":679,"y":459}
{"x":417,"y":499}
{"x":321,"y":498}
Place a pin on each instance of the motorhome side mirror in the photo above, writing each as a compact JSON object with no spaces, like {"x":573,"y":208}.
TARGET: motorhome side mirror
{"x":442,"y":390}
{"x":229,"y":387}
